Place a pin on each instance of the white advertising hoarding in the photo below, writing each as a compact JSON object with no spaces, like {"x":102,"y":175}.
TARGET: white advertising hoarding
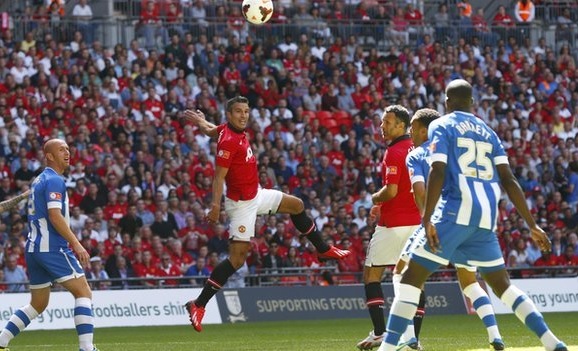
{"x":549,"y":295}
{"x":114,"y":308}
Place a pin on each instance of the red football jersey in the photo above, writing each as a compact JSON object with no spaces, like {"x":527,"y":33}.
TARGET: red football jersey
{"x":401,"y":210}
{"x":234,"y":152}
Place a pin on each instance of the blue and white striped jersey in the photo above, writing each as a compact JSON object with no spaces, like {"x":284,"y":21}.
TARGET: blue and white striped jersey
{"x":48,"y":191}
{"x":418,"y":163}
{"x":471,"y":151}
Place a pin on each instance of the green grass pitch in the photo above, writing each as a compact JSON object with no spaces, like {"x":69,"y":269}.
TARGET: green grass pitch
{"x":440,"y":333}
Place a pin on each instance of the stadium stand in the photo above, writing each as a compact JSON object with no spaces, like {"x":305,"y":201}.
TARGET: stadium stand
{"x":140,"y":179}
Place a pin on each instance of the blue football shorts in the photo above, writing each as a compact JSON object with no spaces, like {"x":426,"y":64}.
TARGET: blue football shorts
{"x":463,"y":246}
{"x":47,"y":267}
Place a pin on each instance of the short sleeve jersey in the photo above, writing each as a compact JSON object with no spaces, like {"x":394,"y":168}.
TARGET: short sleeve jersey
{"x":471,"y":150}
{"x":234,"y":152}
{"x":48,"y":191}
{"x":401,"y":210}
{"x":418,"y":163}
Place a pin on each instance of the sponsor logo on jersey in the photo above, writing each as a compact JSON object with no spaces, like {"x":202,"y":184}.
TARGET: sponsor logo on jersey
{"x":55,"y":196}
{"x":224,"y":154}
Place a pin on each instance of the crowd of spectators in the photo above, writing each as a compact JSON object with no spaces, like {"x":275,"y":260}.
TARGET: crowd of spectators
{"x":140,"y":179}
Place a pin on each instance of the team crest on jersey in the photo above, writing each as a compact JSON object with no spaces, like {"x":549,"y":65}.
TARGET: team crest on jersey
{"x":55,"y":196}
{"x":224,"y":154}
{"x":242,"y":229}
{"x":392,"y":170}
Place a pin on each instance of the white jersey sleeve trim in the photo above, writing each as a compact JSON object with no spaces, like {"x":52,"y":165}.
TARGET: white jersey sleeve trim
{"x":439,"y":158}
{"x":54,"y":204}
{"x":417,"y":179}
{"x":501,"y":160}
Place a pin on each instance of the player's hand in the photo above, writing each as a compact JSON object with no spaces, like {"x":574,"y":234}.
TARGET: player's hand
{"x":375,"y":212}
{"x":82,"y":254}
{"x":213,"y":215}
{"x":541,"y":239}
{"x":431,"y":234}
{"x":195,"y":117}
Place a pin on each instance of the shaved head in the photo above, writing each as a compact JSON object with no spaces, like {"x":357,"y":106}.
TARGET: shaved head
{"x":459,"y":95}
{"x":51,"y":145}
{"x":57,"y":155}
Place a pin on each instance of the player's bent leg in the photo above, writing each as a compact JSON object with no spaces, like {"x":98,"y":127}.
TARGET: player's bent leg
{"x":304,"y":224}
{"x":238,"y":251}
{"x":24,"y":315}
{"x":482,"y":304}
{"x":237,"y":255}
{"x":83,"y":316}
{"x":523,"y":308}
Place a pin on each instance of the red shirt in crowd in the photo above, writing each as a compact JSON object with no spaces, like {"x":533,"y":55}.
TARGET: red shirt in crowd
{"x":155,"y":106}
{"x":170,"y":271}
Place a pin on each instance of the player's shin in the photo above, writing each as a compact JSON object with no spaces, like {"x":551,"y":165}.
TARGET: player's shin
{"x":218,"y":278}
{"x":17,"y":323}
{"x":481,"y":302}
{"x":375,"y":304}
{"x":419,"y":314}
{"x":527,"y":312}
{"x":84,"y":322}
{"x":305,"y":225}
{"x":402,"y":312}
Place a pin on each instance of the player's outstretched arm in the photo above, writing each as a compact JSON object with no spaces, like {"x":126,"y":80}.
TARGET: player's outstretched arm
{"x":9,"y":204}
{"x":197,"y":118}
{"x":516,"y":195}
{"x":59,"y":223}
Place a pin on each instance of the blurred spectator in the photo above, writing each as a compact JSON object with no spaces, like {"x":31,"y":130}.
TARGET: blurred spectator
{"x":465,"y":8}
{"x":96,"y":272}
{"x":272,"y":262}
{"x":350,"y":264}
{"x":77,"y":219}
{"x":219,"y":242}
{"x":399,"y":28}
{"x":130,"y":223}
{"x":199,"y":269}
{"x":150,"y":25}
{"x":14,"y":273}
{"x":481,"y":29}
{"x":162,"y":227}
{"x":566,"y":26}
{"x":502,"y":22}
{"x":168,"y":269}
{"x":82,"y":13}
{"x":125,"y":272}
{"x":147,"y":269}
{"x":174,"y":20}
